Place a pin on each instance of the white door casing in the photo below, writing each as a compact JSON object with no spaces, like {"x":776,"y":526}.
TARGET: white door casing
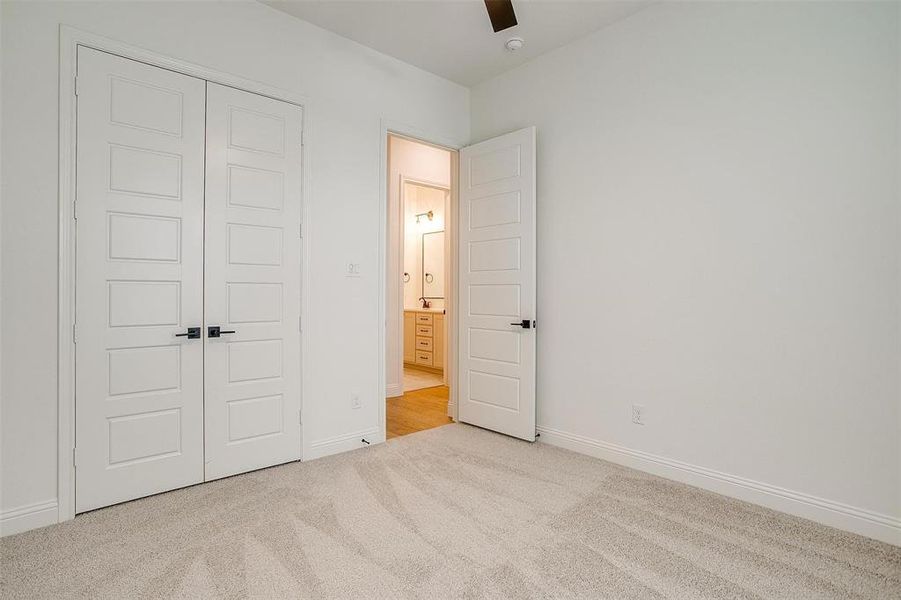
{"x":253,"y":275}
{"x":139,"y":264}
{"x":496,"y":375}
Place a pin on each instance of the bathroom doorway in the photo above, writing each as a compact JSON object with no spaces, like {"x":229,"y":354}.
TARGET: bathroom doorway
{"x":420,"y":279}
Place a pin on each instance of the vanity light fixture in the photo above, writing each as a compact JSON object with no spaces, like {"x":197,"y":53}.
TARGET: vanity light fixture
{"x":429,"y":214}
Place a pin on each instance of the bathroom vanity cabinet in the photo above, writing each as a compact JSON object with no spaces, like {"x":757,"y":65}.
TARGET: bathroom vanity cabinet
{"x":424,"y":339}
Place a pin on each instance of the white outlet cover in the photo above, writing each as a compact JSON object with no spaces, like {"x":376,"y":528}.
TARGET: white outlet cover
{"x":638,"y":414}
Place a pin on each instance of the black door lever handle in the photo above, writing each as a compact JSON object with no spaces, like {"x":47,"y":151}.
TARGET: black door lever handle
{"x":193,"y":333}
{"x":525,"y":324}
{"x":214,"y":331}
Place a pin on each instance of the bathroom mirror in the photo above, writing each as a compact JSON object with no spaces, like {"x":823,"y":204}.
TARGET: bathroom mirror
{"x":433,"y":265}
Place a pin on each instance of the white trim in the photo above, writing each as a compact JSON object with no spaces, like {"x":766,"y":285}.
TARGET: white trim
{"x":391,"y":127}
{"x":394,"y":390}
{"x":28,"y":517}
{"x":1,"y":302}
{"x":342,"y":443}
{"x":70,"y":38}
{"x":828,"y":512}
{"x":68,"y":55}
{"x":451,"y":301}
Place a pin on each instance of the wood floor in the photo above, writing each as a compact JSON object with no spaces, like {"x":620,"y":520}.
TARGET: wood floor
{"x":417,"y":410}
{"x":417,"y":379}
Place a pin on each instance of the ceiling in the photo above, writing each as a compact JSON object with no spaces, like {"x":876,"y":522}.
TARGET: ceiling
{"x":453,"y":38}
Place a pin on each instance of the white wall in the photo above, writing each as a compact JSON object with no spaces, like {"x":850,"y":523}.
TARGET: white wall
{"x":418,"y":200}
{"x":718,"y":188}
{"x":424,"y":163}
{"x":352,"y":90}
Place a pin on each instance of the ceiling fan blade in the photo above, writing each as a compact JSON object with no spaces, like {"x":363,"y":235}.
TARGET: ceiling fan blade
{"x":501,"y":14}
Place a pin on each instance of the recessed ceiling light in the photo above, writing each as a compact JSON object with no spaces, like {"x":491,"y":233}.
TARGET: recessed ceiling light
{"x":514,"y":44}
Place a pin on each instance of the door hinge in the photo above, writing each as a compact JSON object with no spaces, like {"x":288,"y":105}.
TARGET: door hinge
{"x":74,"y":333}
{"x":301,"y":138}
{"x":75,"y":209}
{"x":299,"y":324}
{"x":300,"y":417}
{"x":300,"y":230}
{"x":76,"y":85}
{"x":74,"y":457}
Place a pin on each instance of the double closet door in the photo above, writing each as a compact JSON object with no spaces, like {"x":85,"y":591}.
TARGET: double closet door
{"x":188,"y":254}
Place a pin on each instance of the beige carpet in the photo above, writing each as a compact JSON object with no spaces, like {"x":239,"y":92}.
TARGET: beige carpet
{"x":453,"y":512}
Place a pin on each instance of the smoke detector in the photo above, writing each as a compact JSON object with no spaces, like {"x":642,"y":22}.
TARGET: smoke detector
{"x":514,"y":44}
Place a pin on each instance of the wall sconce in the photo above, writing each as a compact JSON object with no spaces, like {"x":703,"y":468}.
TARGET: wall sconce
{"x":429,"y":214}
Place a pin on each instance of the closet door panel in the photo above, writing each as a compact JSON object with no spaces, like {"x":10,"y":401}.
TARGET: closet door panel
{"x":139,"y":280}
{"x":252,"y":281}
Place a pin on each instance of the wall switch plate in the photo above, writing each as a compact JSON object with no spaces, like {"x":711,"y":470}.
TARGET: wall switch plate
{"x":638,"y":414}
{"x":355,"y":401}
{"x":352,"y":269}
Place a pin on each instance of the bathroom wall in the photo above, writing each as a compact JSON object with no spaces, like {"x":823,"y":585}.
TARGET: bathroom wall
{"x":417,"y":200}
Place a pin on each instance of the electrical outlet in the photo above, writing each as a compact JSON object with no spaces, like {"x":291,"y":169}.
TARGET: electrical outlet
{"x":638,"y":414}
{"x":355,"y":401}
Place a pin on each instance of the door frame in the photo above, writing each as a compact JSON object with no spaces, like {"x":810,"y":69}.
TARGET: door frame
{"x":70,"y":39}
{"x":431,"y":138}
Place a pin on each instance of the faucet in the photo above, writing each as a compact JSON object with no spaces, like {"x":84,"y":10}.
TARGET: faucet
{"x":425,"y":303}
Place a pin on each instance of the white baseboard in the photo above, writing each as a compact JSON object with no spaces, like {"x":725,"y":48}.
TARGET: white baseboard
{"x":393,"y":390}
{"x":828,"y":512}
{"x":28,"y":517}
{"x":342,"y":443}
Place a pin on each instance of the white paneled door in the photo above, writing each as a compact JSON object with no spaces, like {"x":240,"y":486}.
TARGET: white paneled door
{"x":497,"y":284}
{"x":139,"y":268}
{"x":253,"y":215}
{"x":188,"y":208}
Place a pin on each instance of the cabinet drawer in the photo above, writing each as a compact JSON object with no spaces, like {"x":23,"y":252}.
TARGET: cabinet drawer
{"x":423,"y":358}
{"x":423,"y":319}
{"x":424,"y":343}
{"x":424,"y":330}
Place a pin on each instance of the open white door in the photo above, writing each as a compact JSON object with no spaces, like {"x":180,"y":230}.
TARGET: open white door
{"x":497,"y":284}
{"x":252,"y":264}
